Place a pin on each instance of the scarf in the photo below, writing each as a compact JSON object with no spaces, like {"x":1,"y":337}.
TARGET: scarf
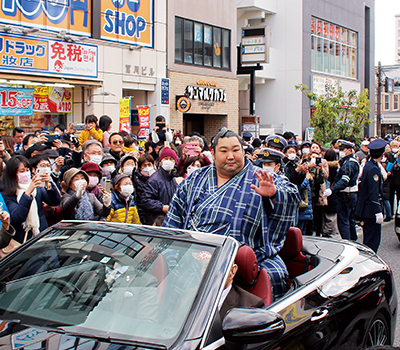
{"x":84,"y":210}
{"x":32,"y":222}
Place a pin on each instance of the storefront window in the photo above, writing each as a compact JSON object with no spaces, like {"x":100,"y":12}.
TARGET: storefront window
{"x":188,"y":41}
{"x":202,"y":44}
{"x":395,"y":102}
{"x":178,"y":43}
{"x":333,"y":49}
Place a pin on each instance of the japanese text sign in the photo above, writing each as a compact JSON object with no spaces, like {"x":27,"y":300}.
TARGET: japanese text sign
{"x":16,"y":102}
{"x":128,"y":21}
{"x":72,"y":16}
{"x":144,"y":117}
{"x":125,"y":115}
{"x":52,"y":99}
{"x":47,"y":56}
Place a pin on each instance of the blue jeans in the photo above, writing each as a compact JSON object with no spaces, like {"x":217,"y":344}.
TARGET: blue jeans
{"x":388,"y":208}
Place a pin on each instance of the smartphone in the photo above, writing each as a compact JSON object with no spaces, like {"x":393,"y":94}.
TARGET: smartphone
{"x":42,"y":171}
{"x":318,"y":161}
{"x":304,"y":161}
{"x":166,"y":144}
{"x":51,"y":138}
{"x":79,"y":126}
{"x":190,"y":146}
{"x":107,"y":185}
{"x":161,"y":127}
{"x":64,"y":151}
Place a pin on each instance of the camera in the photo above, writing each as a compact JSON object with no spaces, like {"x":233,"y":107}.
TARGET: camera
{"x":68,"y":160}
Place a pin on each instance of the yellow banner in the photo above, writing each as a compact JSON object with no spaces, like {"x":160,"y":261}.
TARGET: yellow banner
{"x":125,"y":115}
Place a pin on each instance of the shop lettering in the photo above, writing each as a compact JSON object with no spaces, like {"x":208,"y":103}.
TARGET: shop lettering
{"x":205,"y":94}
{"x":9,"y":100}
{"x":120,"y":23}
{"x":206,"y":83}
{"x":65,"y":106}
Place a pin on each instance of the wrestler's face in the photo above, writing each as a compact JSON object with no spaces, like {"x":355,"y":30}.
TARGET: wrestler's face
{"x":228,"y":156}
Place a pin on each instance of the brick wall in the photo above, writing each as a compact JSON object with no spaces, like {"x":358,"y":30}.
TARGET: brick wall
{"x":216,"y":116}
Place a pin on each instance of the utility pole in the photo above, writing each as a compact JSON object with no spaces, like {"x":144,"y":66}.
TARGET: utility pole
{"x":379,"y":99}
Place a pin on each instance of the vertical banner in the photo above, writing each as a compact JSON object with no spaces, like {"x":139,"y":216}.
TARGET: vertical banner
{"x":144,"y":121}
{"x":125,"y":115}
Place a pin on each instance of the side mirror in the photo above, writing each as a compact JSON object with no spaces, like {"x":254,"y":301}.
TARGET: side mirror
{"x":252,"y":325}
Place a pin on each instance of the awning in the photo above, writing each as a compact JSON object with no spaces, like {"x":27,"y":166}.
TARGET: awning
{"x":53,"y":80}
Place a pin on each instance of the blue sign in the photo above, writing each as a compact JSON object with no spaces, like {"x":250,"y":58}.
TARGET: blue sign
{"x":165,"y":91}
{"x":16,"y":101}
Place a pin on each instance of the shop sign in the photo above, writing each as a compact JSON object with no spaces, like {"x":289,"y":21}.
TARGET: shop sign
{"x":125,"y":115}
{"x":128,"y":21}
{"x":183,"y":104}
{"x":27,"y":54}
{"x":52,"y":99}
{"x":72,"y":16}
{"x":205,"y":93}
{"x":144,"y":121}
{"x":16,"y":102}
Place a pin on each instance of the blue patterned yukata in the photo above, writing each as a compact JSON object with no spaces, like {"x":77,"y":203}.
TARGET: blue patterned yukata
{"x":236,"y":210}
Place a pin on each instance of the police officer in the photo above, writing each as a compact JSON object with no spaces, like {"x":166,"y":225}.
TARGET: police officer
{"x":248,"y":148}
{"x":369,"y":207}
{"x":345,"y":187}
{"x":276,"y":142}
{"x":272,"y":161}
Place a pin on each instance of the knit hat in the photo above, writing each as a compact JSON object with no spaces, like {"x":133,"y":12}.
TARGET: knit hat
{"x":70,"y":173}
{"x":89,"y":166}
{"x":91,"y":142}
{"x":118,"y":178}
{"x":108,"y":157}
{"x":168,"y":152}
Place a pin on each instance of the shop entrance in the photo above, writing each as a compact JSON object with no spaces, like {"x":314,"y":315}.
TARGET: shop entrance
{"x":193,"y":122}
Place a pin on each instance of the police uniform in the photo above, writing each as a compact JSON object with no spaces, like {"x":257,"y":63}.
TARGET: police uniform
{"x":276,"y":142}
{"x":269,"y":155}
{"x":346,"y":188}
{"x":369,"y":207}
{"x":248,"y":148}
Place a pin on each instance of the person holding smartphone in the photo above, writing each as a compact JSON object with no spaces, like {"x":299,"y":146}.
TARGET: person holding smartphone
{"x":24,"y":196}
{"x":161,"y":132}
{"x":193,"y":148}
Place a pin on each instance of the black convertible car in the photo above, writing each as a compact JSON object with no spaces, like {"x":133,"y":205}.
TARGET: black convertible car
{"x":92,"y":285}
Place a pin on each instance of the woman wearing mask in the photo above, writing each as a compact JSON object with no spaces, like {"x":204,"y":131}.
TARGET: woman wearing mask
{"x":95,"y":176}
{"x":24,"y":197}
{"x":161,"y":186}
{"x":190,"y":165}
{"x":146,"y":168}
{"x":305,"y":148}
{"x":123,"y":208}
{"x":76,"y":203}
{"x":127,"y":165}
{"x":108,"y":166}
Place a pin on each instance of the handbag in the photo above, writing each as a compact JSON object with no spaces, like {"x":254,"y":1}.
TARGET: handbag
{"x":304,"y":202}
{"x":11,"y":246}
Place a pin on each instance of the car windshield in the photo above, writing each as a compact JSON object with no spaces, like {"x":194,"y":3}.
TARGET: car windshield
{"x":118,"y":284}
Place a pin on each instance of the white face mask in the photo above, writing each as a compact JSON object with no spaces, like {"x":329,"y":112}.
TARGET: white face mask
{"x":126,"y":190}
{"x":342,"y":154}
{"x":93,"y":181}
{"x":269,"y":169}
{"x":191,"y":169}
{"x":312,"y":161}
{"x":167,"y":165}
{"x":178,"y":142}
{"x":108,"y":170}
{"x":56,"y":133}
{"x":395,"y":150}
{"x":128,"y":170}
{"x":384,"y":159}
{"x":94,"y":158}
{"x":291,"y":156}
{"x":79,"y":184}
{"x":148,"y":171}
{"x":336,"y":150}
{"x":305,"y":150}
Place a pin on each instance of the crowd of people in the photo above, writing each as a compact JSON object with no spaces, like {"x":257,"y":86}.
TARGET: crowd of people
{"x":52,"y":175}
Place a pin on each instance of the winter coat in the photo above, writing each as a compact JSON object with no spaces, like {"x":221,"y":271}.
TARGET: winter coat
{"x":69,"y":203}
{"x":157,"y":192}
{"x":307,"y":213}
{"x":96,"y":134}
{"x":123,"y":210}
{"x":290,"y":172}
{"x":319,"y":185}
{"x":19,"y":211}
{"x":139,"y":183}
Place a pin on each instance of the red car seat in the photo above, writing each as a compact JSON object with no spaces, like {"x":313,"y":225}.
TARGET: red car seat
{"x":250,"y":278}
{"x":296,"y":262}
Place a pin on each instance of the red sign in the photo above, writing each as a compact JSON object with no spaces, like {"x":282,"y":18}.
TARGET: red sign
{"x":144,"y":117}
{"x":52,"y":99}
{"x":143,"y":133}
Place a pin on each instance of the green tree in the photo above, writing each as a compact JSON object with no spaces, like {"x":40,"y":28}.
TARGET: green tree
{"x":338,"y":114}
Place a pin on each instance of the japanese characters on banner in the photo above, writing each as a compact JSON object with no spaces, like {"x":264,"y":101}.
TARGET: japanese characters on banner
{"x":16,"y":101}
{"x":128,"y":21}
{"x":23,"y":53}
{"x":125,"y":115}
{"x":52,"y":99}
{"x":72,"y":16}
{"x":144,"y":121}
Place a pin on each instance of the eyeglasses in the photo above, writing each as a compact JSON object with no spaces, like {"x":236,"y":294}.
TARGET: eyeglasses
{"x":43,"y":165}
{"x":118,"y":142}
{"x":95,"y":154}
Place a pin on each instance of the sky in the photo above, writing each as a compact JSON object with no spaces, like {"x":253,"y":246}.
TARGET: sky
{"x":385,"y":30}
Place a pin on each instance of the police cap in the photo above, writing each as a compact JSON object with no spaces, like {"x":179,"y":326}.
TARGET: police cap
{"x":344,"y":144}
{"x":269,"y":155}
{"x":377,"y":148}
{"x":276,"y":141}
{"x":247,"y":136}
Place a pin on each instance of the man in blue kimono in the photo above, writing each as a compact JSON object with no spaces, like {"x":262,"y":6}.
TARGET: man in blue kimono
{"x":232,"y":198}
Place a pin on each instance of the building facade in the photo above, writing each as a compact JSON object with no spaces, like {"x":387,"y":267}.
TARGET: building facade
{"x":397,"y":39}
{"x":310,"y":42}
{"x":202,"y":66}
{"x":81,"y":58}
